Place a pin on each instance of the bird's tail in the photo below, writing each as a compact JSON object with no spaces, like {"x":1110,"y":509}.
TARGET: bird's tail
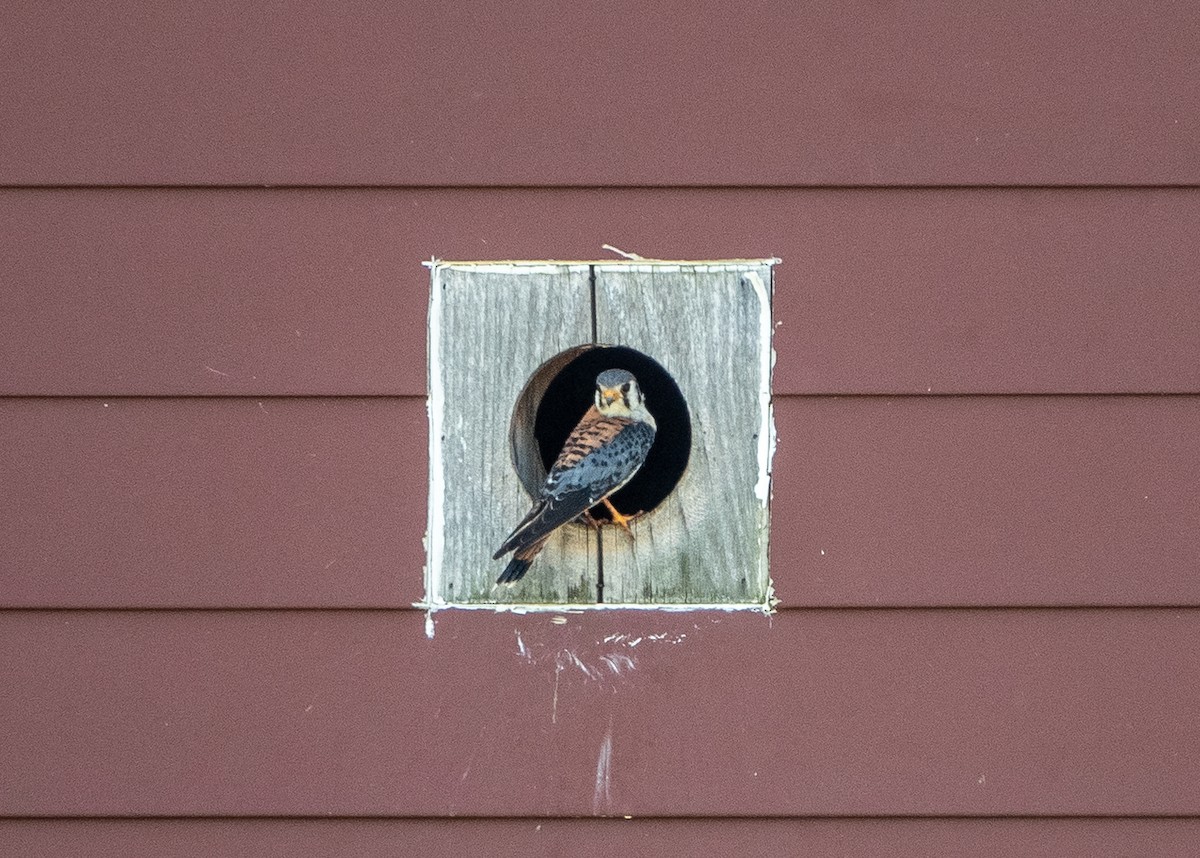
{"x":520,"y":563}
{"x":514,"y":571}
{"x":519,"y":533}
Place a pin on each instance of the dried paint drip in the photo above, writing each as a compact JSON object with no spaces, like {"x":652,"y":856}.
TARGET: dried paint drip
{"x":632,"y":641}
{"x":602,"y":796}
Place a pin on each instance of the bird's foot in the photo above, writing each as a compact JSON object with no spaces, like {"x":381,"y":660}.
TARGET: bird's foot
{"x":621,"y":521}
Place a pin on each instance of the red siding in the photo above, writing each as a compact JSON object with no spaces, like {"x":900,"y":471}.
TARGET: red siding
{"x":165,"y":292}
{"x":623,"y":93}
{"x":213,"y":502}
{"x":827,"y":713}
{"x":321,"y":502}
{"x":596,"y":838}
{"x":211,"y":402}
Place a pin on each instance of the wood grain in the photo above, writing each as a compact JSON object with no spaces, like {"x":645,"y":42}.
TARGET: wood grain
{"x":491,"y":328}
{"x":257,"y":292}
{"x":838,"y":713}
{"x":571,"y":93}
{"x":600,"y":838}
{"x":710,"y":329}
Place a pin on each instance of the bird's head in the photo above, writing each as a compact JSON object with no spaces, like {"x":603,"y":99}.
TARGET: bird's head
{"x":618,"y":395}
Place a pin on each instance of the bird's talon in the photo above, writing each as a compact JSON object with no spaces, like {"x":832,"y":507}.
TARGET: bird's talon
{"x":621,"y":521}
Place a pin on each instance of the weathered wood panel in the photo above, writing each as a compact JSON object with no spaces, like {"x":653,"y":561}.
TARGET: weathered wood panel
{"x":1050,"y":712}
{"x":600,"y":838}
{"x":535,"y":94}
{"x":320,"y":292}
{"x":322,"y":503}
{"x":710,"y":328}
{"x":491,"y":327}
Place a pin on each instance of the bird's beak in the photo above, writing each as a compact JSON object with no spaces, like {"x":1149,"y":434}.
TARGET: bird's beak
{"x":610,"y":394}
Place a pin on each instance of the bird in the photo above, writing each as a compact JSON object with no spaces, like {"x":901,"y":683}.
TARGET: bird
{"x":602,"y":453}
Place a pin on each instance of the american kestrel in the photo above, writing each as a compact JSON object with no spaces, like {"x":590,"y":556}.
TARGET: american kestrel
{"x":602,"y":453}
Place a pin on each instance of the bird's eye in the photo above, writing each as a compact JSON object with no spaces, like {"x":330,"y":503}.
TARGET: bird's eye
{"x":625,"y":388}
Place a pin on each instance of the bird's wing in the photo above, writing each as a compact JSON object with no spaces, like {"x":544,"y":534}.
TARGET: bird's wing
{"x":600,"y":456}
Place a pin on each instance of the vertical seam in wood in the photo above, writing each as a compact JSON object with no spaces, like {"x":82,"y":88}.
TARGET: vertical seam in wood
{"x":599,"y":567}
{"x":599,"y":533}
{"x":592,"y":291}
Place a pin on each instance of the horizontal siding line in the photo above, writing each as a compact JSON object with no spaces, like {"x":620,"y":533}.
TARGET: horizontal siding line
{"x":615,"y":820}
{"x":673,"y":609}
{"x":1066,"y":394}
{"x":254,"y":186}
{"x":152,"y":397}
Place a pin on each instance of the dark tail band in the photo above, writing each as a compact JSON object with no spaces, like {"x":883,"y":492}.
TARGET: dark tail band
{"x":515,"y":570}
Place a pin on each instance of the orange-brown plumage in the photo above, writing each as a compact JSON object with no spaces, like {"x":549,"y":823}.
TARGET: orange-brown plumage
{"x":602,"y":453}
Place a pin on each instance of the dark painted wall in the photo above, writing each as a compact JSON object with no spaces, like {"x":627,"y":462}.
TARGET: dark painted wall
{"x":212,"y":430}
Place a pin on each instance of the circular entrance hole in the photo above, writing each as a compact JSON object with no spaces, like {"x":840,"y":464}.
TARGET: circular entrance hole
{"x":559,"y":393}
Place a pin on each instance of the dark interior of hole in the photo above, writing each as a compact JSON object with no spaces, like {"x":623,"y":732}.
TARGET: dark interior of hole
{"x":570,"y":395}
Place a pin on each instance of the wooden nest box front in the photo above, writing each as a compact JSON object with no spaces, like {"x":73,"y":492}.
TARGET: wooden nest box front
{"x":514,"y":349}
